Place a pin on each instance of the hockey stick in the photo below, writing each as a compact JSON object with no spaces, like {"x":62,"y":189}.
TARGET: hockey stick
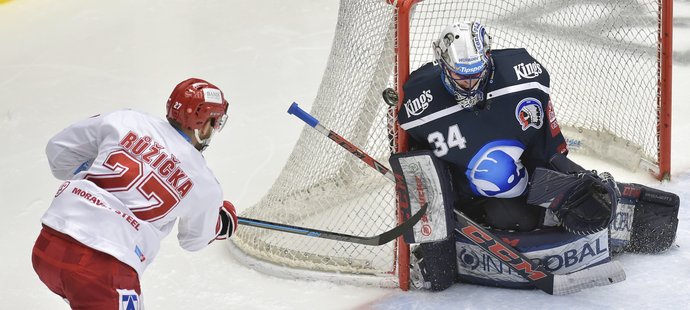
{"x":541,"y":278}
{"x":313,"y":122}
{"x":554,"y":284}
{"x":379,"y":239}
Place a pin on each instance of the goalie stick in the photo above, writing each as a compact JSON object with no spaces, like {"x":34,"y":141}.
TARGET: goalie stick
{"x":554,"y":284}
{"x":379,"y":239}
{"x":561,"y":284}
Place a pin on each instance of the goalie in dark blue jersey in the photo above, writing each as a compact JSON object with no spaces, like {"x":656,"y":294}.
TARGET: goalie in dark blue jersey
{"x":486,"y":118}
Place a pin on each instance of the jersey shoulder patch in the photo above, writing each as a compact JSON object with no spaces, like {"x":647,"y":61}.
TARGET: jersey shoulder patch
{"x":529,"y":112}
{"x":424,"y":93}
{"x":517,"y":66}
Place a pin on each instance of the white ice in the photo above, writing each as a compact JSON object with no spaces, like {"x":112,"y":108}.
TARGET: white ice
{"x":61,"y":61}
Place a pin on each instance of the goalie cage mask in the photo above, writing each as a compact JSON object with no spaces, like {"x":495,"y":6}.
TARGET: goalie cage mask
{"x":463,"y":52}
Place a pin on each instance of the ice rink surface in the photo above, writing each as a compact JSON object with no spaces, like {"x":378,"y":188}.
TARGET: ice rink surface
{"x":61,"y":61}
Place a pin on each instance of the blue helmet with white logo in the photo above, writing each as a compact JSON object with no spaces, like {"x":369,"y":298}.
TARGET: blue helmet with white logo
{"x":462,"y":50}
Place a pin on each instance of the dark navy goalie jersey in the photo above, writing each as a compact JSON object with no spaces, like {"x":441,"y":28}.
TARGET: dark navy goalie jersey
{"x":493,"y":147}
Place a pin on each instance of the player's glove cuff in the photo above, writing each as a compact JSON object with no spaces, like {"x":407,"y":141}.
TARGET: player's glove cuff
{"x":227,"y":221}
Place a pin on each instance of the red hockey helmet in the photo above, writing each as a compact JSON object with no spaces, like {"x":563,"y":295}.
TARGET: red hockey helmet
{"x":194,"y":101}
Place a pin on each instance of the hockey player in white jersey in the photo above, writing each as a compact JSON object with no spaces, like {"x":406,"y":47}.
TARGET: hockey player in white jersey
{"x":129,"y":177}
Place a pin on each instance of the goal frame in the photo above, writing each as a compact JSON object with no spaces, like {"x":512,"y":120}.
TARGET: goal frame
{"x":664,"y":98}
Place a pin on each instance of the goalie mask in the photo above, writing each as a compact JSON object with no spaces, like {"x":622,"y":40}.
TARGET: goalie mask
{"x":192,"y":103}
{"x":463,"y":52}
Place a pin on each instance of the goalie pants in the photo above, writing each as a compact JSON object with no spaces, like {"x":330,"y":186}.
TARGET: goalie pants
{"x":84,"y":277}
{"x":503,"y":213}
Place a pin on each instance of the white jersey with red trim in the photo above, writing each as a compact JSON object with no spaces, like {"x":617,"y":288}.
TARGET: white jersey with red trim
{"x":131,"y":176}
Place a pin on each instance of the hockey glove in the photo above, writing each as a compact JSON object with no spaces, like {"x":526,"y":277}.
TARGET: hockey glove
{"x":227,"y":221}
{"x":590,"y":205}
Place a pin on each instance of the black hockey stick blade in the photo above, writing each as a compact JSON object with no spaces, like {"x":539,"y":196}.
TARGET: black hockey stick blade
{"x":541,"y":278}
{"x":310,"y":232}
{"x":390,"y":96}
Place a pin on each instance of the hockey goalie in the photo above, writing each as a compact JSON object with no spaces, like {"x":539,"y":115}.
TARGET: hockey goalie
{"x":485,"y":143}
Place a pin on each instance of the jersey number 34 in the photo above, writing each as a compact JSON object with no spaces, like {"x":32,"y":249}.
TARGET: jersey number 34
{"x":442,"y":144}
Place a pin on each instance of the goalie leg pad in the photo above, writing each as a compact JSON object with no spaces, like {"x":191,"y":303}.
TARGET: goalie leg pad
{"x":433,"y":265}
{"x":654,"y":218}
{"x":559,"y":251}
{"x":621,"y":225}
{"x":423,"y":178}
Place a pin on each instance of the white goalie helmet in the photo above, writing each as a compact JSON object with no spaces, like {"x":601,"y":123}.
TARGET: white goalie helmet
{"x":463,"y":52}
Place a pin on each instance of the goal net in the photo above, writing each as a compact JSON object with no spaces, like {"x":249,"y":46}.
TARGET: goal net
{"x":607,"y":87}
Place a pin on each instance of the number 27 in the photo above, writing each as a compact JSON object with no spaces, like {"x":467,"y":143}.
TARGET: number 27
{"x":128,"y":171}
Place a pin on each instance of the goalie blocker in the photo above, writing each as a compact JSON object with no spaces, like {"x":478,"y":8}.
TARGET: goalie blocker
{"x":644,"y":221}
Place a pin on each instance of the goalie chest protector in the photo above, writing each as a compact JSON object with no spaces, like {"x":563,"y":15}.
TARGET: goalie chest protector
{"x":492,"y":147}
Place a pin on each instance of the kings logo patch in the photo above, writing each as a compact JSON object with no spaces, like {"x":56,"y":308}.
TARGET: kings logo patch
{"x":529,"y":113}
{"x":417,"y":105}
